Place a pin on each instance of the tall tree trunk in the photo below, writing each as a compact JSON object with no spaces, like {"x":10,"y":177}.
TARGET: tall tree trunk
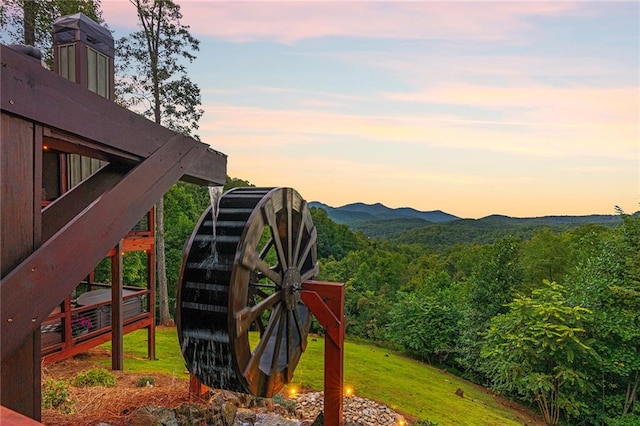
{"x":630,"y":396}
{"x":163,"y":292}
{"x":29,"y":21}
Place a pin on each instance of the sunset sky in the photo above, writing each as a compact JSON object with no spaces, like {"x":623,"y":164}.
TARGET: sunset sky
{"x":473,"y":108}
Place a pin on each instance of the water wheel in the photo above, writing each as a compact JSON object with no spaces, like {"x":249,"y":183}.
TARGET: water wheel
{"x":241,"y":323}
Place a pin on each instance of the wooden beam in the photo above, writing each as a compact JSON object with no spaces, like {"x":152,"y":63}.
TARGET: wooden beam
{"x":19,"y":210}
{"x":46,"y":277}
{"x":39,"y":95}
{"x":69,"y":205}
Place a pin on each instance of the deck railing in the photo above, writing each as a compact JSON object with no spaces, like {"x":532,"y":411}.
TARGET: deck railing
{"x":85,"y":321}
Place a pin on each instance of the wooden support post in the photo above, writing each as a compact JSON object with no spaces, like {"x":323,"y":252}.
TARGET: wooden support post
{"x":151,"y":285}
{"x":20,"y":189}
{"x":117,"y":316}
{"x":326,"y":302}
{"x":196,"y":388}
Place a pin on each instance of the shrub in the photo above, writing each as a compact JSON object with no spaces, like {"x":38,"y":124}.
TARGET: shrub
{"x":56,"y":395}
{"x":288,"y":405}
{"x":145,"y":380}
{"x":94,"y":377}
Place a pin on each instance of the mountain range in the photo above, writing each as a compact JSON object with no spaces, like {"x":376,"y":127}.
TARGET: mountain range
{"x":359,"y":212}
{"x":440,"y":229}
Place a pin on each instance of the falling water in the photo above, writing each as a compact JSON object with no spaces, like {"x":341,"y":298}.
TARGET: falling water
{"x":215,"y":192}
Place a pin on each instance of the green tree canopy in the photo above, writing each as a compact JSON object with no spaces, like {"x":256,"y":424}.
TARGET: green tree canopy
{"x":535,"y":350}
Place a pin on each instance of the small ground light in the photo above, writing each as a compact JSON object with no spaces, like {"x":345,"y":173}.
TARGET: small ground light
{"x":293,"y":391}
{"x":401,"y":422}
{"x":348,"y":391}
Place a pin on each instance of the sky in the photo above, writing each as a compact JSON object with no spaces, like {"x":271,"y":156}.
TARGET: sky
{"x":474,"y":108}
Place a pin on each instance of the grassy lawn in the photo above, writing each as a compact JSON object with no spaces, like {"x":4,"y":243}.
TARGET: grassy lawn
{"x":408,"y":386}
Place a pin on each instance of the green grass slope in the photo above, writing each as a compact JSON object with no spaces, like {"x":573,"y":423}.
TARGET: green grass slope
{"x":408,"y":386}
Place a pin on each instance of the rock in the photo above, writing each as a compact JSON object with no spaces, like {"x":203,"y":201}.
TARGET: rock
{"x":273,"y":420}
{"x":229,"y":413}
{"x":460,"y":393}
{"x":356,"y":411}
{"x":245,"y":417}
{"x":150,"y":415}
{"x":192,"y":414}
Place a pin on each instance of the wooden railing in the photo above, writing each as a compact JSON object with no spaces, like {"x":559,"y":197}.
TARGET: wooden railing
{"x":75,"y":327}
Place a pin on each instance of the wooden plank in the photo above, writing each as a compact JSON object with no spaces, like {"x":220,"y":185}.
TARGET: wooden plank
{"x":44,"y":279}
{"x":29,"y":90}
{"x":19,"y":373}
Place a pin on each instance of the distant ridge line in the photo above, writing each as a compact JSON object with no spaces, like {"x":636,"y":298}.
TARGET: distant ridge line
{"x":356,"y":212}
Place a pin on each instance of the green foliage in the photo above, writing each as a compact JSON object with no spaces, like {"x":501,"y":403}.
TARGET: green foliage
{"x":94,"y":377}
{"x":546,"y":256}
{"x":145,"y":381}
{"x":334,"y":241}
{"x":535,"y":351}
{"x":628,"y":420}
{"x":606,"y":281}
{"x":287,"y":404}
{"x":488,"y":230}
{"x":495,"y":277}
{"x":425,"y":327}
{"x":56,"y":395}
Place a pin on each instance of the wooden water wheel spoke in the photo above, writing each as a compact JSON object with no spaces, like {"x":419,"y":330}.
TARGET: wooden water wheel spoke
{"x":252,"y":261}
{"x":278,"y":344}
{"x":256,"y":356}
{"x":257,"y":289}
{"x":245,"y":317}
{"x":289,"y":235}
{"x":270,"y":215}
{"x":310,"y":243}
{"x":299,"y":327}
{"x":265,"y":249}
{"x":309,"y":274}
{"x":299,"y":242}
{"x":292,"y":347}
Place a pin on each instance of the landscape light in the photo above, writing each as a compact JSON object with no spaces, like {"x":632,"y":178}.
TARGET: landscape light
{"x":348,"y":391}
{"x":293,"y":391}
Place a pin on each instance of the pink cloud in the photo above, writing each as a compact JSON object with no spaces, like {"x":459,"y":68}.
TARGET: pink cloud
{"x":236,"y":126}
{"x":564,"y":106}
{"x":289,"y":22}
